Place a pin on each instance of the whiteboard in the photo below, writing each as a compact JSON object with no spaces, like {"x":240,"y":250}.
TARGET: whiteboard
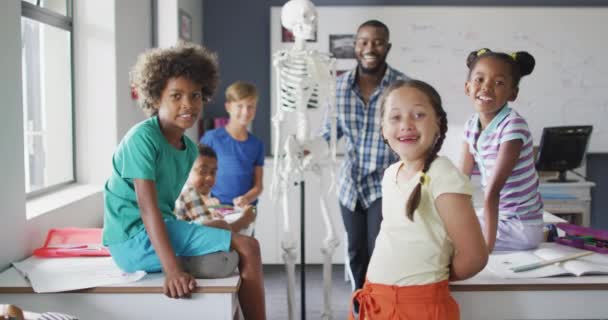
{"x":569,"y":85}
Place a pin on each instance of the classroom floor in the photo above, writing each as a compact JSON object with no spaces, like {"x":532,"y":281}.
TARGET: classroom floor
{"x":276,"y":292}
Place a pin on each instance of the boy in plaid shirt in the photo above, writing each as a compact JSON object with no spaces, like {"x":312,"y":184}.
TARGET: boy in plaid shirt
{"x":195,"y":198}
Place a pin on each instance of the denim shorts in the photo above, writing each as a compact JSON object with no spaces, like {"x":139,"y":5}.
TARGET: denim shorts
{"x":187,"y":240}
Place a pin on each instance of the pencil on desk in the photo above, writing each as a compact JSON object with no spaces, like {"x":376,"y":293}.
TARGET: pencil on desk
{"x":539,"y":264}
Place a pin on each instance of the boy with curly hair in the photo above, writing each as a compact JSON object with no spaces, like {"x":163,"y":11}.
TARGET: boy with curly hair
{"x":150,"y":166}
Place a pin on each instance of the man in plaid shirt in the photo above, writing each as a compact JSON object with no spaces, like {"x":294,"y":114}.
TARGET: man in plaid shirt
{"x":358,"y":109}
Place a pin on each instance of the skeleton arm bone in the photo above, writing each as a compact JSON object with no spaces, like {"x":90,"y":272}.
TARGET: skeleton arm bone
{"x":277,"y":120}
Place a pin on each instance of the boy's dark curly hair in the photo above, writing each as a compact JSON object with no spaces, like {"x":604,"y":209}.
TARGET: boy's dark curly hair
{"x":206,"y":151}
{"x":155,"y":67}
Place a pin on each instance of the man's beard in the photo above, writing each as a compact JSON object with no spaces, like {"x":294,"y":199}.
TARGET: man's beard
{"x":375,"y":70}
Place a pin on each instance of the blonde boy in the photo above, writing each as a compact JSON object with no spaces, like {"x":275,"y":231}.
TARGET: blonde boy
{"x":240,"y":154}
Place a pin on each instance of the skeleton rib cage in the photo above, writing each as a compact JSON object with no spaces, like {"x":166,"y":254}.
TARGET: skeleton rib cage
{"x":300,"y":72}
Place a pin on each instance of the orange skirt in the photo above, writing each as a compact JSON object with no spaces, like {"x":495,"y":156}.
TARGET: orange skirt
{"x":423,"y":302}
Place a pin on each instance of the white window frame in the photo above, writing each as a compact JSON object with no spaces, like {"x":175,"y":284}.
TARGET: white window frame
{"x":64,"y":22}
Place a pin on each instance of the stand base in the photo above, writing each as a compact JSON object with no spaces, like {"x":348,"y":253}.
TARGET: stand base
{"x":562,"y":178}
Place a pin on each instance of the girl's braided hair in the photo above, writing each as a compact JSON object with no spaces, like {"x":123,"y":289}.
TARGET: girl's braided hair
{"x":435,"y":98}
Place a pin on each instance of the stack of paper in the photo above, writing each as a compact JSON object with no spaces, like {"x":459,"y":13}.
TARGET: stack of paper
{"x":65,"y":274}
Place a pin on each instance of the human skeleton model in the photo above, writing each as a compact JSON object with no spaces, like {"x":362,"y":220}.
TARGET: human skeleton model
{"x":304,"y":78}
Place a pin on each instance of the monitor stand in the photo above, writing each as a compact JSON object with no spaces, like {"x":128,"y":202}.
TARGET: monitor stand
{"x":562,"y":178}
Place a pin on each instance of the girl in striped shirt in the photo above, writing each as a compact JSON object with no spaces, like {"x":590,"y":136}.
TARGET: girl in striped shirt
{"x":499,"y":142}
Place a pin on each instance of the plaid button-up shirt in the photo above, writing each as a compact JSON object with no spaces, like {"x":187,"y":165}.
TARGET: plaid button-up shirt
{"x":366,"y":154}
{"x":190,"y":201}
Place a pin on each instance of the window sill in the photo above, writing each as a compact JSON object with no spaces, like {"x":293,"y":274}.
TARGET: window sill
{"x":50,"y":202}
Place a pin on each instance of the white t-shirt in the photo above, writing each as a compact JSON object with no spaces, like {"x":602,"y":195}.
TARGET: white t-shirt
{"x":415,"y":252}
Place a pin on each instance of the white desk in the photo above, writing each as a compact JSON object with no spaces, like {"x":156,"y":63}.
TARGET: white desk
{"x":487,"y":296}
{"x":213,"y":299}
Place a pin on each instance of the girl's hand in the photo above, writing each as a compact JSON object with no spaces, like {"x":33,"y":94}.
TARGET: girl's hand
{"x":178,"y":284}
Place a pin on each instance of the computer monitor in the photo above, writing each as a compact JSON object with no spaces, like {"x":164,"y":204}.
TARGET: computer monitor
{"x":562,"y":149}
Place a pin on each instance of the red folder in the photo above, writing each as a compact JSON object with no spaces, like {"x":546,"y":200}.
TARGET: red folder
{"x":73,"y":242}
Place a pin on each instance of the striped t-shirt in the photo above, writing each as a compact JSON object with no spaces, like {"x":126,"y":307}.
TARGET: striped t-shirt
{"x":519,"y":196}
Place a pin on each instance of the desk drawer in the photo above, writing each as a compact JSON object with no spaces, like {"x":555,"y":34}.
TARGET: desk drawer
{"x":568,"y":193}
{"x":566,"y":206}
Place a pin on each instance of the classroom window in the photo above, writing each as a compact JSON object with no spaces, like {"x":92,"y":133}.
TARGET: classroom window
{"x":46,"y":37}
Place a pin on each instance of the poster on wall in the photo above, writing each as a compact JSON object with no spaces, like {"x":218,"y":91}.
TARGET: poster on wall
{"x":342,"y":46}
{"x":185,"y":26}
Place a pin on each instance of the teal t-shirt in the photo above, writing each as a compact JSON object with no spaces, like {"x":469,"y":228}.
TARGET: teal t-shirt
{"x":144,"y":153}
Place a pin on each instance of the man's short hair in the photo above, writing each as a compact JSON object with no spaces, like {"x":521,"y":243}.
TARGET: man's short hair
{"x":375,"y":24}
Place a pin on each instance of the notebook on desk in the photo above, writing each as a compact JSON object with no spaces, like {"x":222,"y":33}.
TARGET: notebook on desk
{"x":230,"y":215}
{"x":502,"y":263}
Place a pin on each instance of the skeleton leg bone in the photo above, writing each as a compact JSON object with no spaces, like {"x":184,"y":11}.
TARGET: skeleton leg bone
{"x":330,"y":243}
{"x":290,"y":167}
{"x":288,"y":245}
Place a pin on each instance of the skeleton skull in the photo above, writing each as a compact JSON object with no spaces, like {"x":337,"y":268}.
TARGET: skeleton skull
{"x":300,"y":16}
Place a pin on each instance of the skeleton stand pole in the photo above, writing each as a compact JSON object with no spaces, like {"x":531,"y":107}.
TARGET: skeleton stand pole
{"x":302,"y":252}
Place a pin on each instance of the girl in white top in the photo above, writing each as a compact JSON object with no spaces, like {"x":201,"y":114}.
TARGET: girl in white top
{"x":429,"y":233}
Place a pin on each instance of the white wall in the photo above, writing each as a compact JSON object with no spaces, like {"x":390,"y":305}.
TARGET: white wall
{"x":109,"y":36}
{"x":166,"y":22}
{"x":95,"y":88}
{"x":12,"y":171}
{"x":131,"y":40}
